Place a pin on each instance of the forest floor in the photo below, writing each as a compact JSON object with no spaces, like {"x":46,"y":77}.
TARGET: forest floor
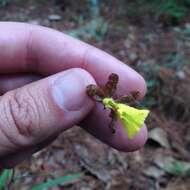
{"x":162,"y":55}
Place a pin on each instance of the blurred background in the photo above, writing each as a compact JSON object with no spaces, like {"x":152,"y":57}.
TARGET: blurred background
{"x":153,"y":37}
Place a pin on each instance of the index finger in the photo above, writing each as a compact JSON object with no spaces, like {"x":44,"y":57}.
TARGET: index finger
{"x":29,"y":48}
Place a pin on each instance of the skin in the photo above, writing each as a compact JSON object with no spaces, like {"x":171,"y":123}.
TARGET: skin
{"x":43,"y":79}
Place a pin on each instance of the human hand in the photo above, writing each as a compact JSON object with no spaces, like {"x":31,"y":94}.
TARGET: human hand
{"x":37,"y":112}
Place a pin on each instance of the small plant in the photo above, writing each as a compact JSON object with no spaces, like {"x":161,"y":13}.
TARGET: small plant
{"x":8,"y":180}
{"x":173,"y":9}
{"x":62,"y":180}
{"x":169,"y":12}
{"x":5,"y":179}
{"x":4,"y":2}
{"x":131,"y":118}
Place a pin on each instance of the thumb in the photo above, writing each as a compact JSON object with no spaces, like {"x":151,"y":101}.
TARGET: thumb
{"x":40,"y":110}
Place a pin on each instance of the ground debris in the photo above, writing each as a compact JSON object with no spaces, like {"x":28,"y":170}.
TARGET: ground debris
{"x":145,"y":44}
{"x":154,"y":172}
{"x":92,"y":165}
{"x":172,"y":166}
{"x":160,"y":136}
{"x":54,"y":17}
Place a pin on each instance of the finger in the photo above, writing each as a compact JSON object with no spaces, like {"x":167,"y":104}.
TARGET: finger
{"x":35,"y":112}
{"x":45,"y":51}
{"x":10,"y":82}
{"x":13,"y":81}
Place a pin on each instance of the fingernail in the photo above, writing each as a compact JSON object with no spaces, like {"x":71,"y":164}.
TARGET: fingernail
{"x":69,"y":91}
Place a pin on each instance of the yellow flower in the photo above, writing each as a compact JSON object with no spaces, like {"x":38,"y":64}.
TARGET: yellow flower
{"x":131,"y":118}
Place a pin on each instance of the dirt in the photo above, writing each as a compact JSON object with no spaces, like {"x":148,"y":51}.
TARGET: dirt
{"x":139,"y":45}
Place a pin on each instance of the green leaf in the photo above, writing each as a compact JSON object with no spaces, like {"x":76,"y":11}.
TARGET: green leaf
{"x":179,"y":168}
{"x":4,"y":178}
{"x":63,"y":180}
{"x":173,"y":166}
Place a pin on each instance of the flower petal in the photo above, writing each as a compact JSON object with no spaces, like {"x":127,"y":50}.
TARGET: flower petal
{"x":131,"y":118}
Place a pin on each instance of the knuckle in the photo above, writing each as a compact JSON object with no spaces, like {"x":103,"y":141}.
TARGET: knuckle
{"x":86,"y":57}
{"x":22,"y":113}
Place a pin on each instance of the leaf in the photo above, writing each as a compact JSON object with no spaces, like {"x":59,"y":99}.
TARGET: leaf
{"x":154,"y":172}
{"x":4,"y":178}
{"x":173,"y":166}
{"x":179,"y":168}
{"x":160,"y":136}
{"x":93,"y":167}
{"x":63,"y":180}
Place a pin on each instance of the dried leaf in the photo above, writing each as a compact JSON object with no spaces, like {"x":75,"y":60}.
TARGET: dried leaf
{"x":91,"y":166}
{"x":154,"y":172}
{"x":160,"y":136}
